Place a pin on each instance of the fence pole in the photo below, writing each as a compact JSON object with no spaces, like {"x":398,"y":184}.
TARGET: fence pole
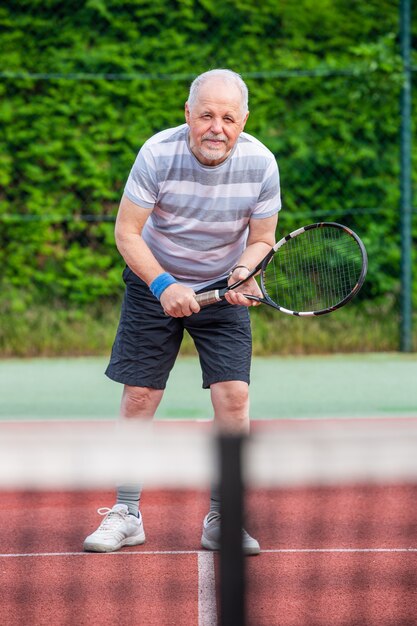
{"x":405,"y":179}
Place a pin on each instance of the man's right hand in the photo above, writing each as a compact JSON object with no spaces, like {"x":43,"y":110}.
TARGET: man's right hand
{"x":179,"y":301}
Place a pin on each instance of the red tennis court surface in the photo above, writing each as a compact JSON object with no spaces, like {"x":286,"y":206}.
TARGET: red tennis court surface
{"x":330,"y":556}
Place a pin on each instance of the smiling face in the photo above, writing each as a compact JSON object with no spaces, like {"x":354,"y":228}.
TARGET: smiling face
{"x":216,"y":120}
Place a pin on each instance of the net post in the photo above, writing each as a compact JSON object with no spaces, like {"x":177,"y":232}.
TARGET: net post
{"x":232,"y":563}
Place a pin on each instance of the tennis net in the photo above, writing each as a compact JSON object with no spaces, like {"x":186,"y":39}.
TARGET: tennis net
{"x":332,"y":504}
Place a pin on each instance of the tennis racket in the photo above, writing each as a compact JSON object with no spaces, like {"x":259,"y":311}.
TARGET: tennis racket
{"x":312,"y":271}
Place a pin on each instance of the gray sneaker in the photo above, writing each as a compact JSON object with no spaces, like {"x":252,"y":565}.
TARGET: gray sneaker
{"x":210,"y":539}
{"x":118,"y":529}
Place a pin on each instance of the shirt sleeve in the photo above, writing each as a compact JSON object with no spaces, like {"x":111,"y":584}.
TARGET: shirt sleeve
{"x":142,"y":185}
{"x":269,"y":200}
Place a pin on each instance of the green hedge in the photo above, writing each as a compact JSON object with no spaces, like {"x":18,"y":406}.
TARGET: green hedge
{"x":84,"y":83}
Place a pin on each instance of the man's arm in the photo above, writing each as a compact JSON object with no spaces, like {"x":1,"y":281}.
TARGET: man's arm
{"x":177,"y":300}
{"x":260,"y":240}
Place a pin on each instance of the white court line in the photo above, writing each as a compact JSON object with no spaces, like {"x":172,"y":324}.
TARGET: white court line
{"x":335,"y":550}
{"x":206,"y":559}
{"x":83,"y":553}
{"x":207,"y":607}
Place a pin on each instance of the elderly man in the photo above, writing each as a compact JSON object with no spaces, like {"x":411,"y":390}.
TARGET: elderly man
{"x":199,"y":210}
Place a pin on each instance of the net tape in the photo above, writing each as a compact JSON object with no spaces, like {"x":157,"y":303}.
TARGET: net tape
{"x":80,"y":455}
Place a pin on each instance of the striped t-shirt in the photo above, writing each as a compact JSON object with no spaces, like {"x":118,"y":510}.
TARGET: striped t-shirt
{"x":199,"y":215}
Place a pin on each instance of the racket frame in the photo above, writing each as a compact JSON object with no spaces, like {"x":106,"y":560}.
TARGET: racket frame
{"x":216,"y":295}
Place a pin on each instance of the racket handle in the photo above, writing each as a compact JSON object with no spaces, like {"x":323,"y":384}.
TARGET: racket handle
{"x":210,"y":297}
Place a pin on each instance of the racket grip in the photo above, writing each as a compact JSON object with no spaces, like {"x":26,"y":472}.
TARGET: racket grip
{"x":209,"y":297}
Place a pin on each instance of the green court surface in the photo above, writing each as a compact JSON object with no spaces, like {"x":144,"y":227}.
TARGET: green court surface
{"x":360,"y":385}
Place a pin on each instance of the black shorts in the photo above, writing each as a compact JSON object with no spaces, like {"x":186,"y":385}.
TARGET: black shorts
{"x":147,"y":341}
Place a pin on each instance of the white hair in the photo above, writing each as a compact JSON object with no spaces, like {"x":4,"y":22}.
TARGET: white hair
{"x":227,"y":76}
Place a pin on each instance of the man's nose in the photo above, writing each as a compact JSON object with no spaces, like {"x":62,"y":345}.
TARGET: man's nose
{"x":216,"y":125}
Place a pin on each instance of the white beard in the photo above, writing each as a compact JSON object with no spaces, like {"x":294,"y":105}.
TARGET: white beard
{"x":213,"y":154}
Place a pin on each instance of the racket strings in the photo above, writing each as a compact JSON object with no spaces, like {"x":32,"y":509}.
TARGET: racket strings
{"x":314,"y":271}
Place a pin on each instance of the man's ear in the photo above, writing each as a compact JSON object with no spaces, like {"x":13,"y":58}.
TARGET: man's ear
{"x":187,"y":112}
{"x":245,"y":119}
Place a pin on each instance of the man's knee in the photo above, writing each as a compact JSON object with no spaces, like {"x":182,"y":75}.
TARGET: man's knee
{"x":140,"y":401}
{"x":231,"y":399}
{"x":235,"y":398}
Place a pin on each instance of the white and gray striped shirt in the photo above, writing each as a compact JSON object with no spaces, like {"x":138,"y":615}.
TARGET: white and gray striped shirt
{"x":200,"y":214}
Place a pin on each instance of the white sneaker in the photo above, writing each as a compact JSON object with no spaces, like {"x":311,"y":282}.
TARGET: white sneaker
{"x":210,"y":539}
{"x":118,"y":529}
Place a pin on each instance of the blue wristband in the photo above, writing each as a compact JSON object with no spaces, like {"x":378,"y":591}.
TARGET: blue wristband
{"x":160,"y":283}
